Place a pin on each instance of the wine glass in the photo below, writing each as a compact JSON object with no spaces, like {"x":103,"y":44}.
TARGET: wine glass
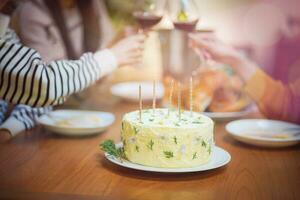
{"x":184,"y":14}
{"x":149,"y":13}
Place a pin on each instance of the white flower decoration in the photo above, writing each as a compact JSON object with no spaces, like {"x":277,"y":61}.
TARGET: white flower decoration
{"x":131,"y":140}
{"x":183,"y":149}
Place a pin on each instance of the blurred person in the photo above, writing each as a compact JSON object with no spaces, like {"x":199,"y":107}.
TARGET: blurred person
{"x":63,"y":29}
{"x":275,"y":99}
{"x":286,"y":53}
{"x":26,"y":79}
{"x":60,"y":29}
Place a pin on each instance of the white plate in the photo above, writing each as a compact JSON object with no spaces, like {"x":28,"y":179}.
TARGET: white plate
{"x":82,"y":127}
{"x":250,"y":131}
{"x":221,"y":116}
{"x":130,"y":90}
{"x":219,"y":158}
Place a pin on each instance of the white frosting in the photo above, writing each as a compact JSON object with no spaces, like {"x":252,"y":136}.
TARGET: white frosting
{"x":160,"y":140}
{"x":160,"y":118}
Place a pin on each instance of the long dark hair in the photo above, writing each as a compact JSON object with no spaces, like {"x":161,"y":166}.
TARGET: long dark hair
{"x":90,"y":23}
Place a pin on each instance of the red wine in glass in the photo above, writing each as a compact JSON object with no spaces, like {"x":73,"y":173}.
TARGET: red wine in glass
{"x":188,"y":26}
{"x":146,"y":20}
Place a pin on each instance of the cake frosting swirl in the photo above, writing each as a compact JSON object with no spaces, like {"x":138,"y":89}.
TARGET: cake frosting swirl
{"x":162,"y":140}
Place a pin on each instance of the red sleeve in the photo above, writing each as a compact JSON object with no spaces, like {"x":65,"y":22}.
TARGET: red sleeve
{"x":274,"y":99}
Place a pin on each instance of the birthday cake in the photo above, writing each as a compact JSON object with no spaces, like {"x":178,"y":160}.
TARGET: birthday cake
{"x":164,"y":139}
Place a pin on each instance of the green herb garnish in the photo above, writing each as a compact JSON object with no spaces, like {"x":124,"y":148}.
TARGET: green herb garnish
{"x":109,"y":147}
{"x":203,"y":143}
{"x":137,"y":148}
{"x":150,"y":145}
{"x":175,"y":139}
{"x":135,"y":130}
{"x":209,"y":149}
{"x":151,"y":119}
{"x":122,"y":126}
{"x":197,"y":122}
{"x":176,"y":124}
{"x":195,"y":155}
{"x":168,"y":154}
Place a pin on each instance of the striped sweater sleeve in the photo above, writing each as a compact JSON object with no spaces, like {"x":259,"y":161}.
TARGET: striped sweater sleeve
{"x":3,"y":110}
{"x":11,"y":36}
{"x":23,"y":118}
{"x":26,"y":79}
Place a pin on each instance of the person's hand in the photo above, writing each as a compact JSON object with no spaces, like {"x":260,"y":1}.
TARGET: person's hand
{"x":211,"y":47}
{"x":4,"y":135}
{"x":128,"y":51}
{"x":216,"y":50}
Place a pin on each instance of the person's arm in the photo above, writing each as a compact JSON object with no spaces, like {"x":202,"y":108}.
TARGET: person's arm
{"x":23,"y":118}
{"x":26,"y":79}
{"x":274,"y":99}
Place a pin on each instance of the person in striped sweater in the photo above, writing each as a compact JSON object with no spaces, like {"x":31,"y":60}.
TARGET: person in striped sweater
{"x":26,"y":79}
{"x":22,"y":117}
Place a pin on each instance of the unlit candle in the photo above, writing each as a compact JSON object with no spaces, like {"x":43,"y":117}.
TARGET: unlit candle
{"x":141,"y":103}
{"x":191,"y":96}
{"x":154,"y":98}
{"x":171,"y":96}
{"x":179,"y":101}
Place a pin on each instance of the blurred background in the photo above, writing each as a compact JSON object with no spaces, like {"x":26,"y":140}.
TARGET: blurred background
{"x":257,"y":26}
{"x":266,"y":31}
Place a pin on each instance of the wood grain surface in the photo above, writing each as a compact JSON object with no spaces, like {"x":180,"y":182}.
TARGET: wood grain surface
{"x":41,"y":165}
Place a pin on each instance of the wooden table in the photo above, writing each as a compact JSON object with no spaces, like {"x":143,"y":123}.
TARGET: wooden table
{"x":40,"y":165}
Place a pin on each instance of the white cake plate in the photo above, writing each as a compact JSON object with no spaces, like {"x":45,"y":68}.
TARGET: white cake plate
{"x":219,"y":158}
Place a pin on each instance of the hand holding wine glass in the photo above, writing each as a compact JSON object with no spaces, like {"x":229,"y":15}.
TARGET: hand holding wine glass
{"x":223,"y":53}
{"x":128,"y":51}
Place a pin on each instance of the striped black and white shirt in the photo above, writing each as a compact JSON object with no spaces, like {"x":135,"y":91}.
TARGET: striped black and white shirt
{"x":26,"y":79}
{"x":22,"y":117}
